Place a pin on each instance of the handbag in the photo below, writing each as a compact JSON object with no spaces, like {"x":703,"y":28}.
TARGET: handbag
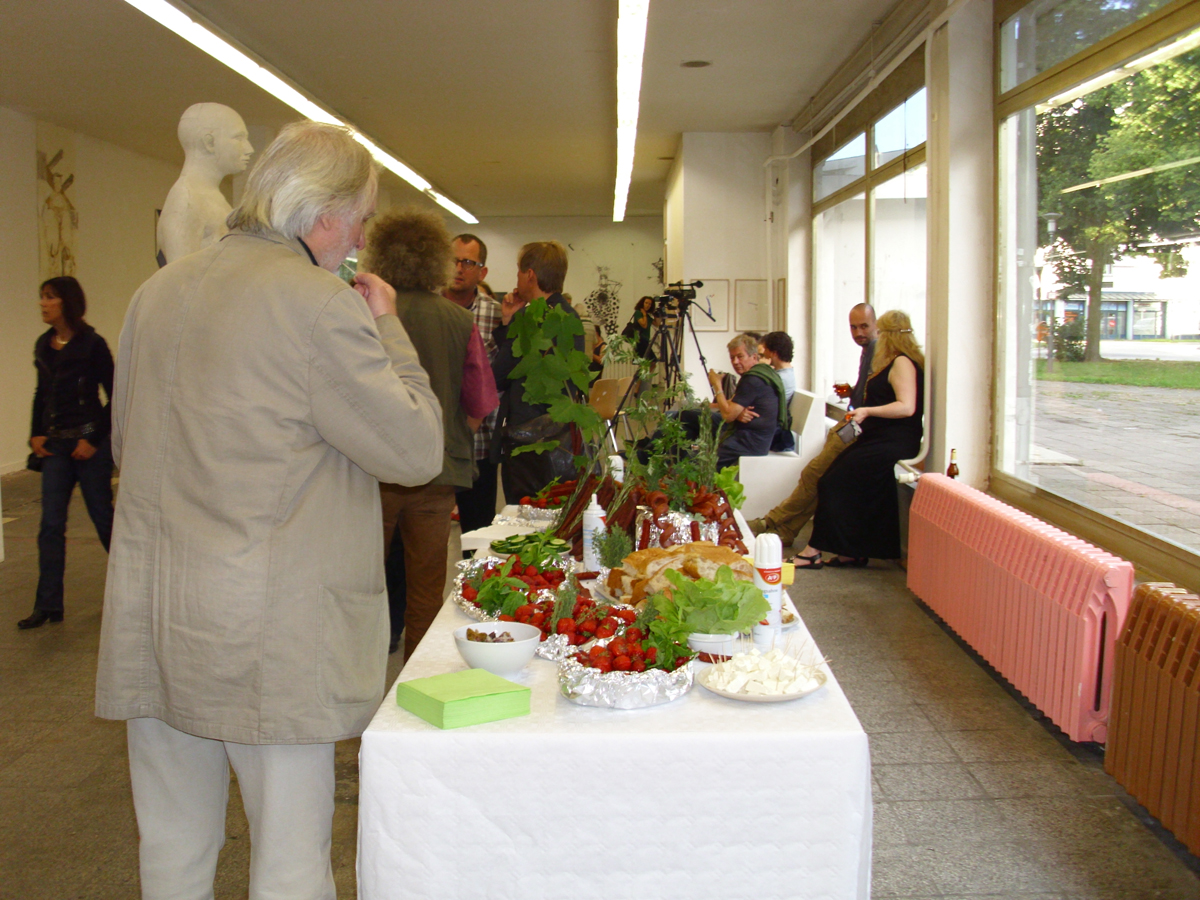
{"x":33,"y":462}
{"x":536,"y":430}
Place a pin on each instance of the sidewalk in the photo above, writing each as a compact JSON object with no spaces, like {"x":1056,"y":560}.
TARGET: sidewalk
{"x":1129,"y":452}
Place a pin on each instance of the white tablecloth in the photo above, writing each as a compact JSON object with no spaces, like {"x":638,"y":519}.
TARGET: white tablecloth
{"x":702,"y":798}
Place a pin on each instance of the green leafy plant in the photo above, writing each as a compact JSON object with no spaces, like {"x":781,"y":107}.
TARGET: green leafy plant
{"x":1070,"y":341}
{"x":502,"y":594}
{"x":544,"y":342}
{"x":723,"y":605}
{"x":727,"y":481}
{"x":612,"y":546}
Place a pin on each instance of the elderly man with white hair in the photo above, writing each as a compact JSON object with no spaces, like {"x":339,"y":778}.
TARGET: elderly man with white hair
{"x":259,"y":401}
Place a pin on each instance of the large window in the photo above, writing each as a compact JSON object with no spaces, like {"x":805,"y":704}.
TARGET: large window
{"x":869,"y":233}
{"x":1099,"y":253}
{"x":1046,"y":33}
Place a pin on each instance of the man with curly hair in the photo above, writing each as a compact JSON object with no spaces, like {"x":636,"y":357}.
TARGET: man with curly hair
{"x":411,"y":251}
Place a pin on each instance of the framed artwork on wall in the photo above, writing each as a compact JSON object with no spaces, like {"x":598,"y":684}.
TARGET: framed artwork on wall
{"x":714,"y":297}
{"x":752,"y":305}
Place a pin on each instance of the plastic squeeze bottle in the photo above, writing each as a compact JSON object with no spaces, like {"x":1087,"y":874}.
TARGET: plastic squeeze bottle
{"x":768,"y":578}
{"x":616,"y":465}
{"x":593,"y":522}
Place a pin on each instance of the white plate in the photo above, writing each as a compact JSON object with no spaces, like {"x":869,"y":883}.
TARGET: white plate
{"x":789,"y":607}
{"x":703,"y":677}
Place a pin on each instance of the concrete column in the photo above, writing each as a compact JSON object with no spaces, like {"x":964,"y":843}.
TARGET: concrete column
{"x":961,"y":242}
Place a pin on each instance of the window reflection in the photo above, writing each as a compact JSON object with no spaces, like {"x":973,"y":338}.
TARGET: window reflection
{"x":839,"y":262}
{"x":1099,"y":262}
{"x":844,"y":166}
{"x":900,"y":130}
{"x":898,"y":269}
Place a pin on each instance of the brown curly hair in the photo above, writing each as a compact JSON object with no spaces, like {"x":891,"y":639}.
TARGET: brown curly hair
{"x":410,"y":250}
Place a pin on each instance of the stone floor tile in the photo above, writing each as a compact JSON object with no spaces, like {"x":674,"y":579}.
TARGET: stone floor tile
{"x":889,"y":718}
{"x":927,"y":781}
{"x":892,"y":748}
{"x":991,"y":868}
{"x":902,"y":872}
{"x":941,"y":823}
{"x":1010,"y":745}
{"x":1040,"y":779}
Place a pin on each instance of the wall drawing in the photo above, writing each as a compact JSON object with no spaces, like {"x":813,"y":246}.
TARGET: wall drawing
{"x":58,"y":219}
{"x":603,"y":302}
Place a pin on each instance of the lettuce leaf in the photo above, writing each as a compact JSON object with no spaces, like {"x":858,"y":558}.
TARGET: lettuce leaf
{"x":723,"y":605}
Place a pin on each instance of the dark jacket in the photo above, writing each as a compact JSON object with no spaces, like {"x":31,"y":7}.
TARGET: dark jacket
{"x":513,"y":406}
{"x":440,"y":330}
{"x":68,"y":382}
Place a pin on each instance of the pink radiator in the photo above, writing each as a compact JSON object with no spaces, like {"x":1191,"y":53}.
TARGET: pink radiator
{"x":1041,"y":606}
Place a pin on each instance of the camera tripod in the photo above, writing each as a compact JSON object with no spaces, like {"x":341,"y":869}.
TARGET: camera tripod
{"x":672,"y":314}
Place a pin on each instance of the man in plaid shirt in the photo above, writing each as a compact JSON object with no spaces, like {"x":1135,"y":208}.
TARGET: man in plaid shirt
{"x":477,"y":505}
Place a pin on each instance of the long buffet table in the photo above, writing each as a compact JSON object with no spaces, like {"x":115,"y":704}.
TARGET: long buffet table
{"x":705,"y":797}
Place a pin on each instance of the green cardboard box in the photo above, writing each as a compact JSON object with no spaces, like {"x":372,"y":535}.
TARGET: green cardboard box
{"x":469,"y":697}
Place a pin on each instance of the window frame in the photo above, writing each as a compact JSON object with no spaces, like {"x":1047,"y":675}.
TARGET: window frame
{"x":875,"y":176}
{"x":1153,"y":557}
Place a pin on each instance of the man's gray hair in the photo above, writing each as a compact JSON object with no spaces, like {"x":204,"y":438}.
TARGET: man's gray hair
{"x":310,"y":170}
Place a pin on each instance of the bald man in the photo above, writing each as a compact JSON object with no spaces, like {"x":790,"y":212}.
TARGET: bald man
{"x":792,"y":514}
{"x":215,"y":144}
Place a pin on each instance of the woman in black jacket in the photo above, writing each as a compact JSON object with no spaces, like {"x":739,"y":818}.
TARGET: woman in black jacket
{"x":70,"y":434}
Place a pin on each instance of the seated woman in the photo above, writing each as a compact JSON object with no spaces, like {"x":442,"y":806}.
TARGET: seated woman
{"x":858,"y":515}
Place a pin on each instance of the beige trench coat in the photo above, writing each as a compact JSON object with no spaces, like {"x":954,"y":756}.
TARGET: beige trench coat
{"x":257,"y":406}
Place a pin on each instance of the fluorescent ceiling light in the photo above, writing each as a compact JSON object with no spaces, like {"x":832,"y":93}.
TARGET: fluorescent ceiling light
{"x":189,"y":26}
{"x":631,"y":44}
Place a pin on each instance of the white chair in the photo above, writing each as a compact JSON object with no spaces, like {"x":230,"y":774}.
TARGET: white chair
{"x":768,"y":479}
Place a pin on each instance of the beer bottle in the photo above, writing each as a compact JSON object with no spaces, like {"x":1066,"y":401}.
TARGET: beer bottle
{"x":952,"y":469}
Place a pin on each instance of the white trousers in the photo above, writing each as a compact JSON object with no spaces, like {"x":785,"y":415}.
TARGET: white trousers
{"x":181,"y":789}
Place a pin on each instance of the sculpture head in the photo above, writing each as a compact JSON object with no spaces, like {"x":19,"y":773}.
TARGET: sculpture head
{"x":215,"y":133}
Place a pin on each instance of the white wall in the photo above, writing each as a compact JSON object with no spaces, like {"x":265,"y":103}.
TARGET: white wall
{"x":961,"y":241}
{"x":629,"y":249}
{"x":116,"y":193}
{"x":717,"y":194}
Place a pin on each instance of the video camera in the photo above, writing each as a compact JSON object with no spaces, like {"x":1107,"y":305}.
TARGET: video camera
{"x":683,"y":290}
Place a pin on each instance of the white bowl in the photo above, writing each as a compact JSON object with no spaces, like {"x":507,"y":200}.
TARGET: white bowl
{"x":715,"y":646}
{"x":507,"y":658}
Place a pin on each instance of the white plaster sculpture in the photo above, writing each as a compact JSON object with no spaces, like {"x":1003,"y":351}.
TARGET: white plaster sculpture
{"x":215,"y":144}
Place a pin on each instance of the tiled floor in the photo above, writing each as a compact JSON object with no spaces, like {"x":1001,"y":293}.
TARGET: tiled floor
{"x":974,"y":796}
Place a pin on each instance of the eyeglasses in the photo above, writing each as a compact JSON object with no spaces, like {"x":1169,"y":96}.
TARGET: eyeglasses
{"x":468,"y":264}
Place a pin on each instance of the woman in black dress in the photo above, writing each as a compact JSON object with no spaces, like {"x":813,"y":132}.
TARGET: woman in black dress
{"x":70,"y":435}
{"x":858,"y":515}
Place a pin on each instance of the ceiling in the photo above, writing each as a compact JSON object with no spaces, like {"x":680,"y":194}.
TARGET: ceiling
{"x":506,"y":106}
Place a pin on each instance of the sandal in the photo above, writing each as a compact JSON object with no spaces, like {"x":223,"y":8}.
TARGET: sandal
{"x":857,"y":563}
{"x":800,"y":561}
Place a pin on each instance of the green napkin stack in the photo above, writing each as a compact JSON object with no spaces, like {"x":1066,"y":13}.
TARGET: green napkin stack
{"x":469,"y":697}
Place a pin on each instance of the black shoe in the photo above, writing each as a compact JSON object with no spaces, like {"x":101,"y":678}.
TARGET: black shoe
{"x":394,"y":645}
{"x":839,"y":562}
{"x":38,"y":618}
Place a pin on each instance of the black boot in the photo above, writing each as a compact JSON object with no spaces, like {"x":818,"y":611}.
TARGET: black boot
{"x":38,"y":618}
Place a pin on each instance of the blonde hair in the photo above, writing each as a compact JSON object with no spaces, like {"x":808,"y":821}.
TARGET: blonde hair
{"x":895,"y":338}
{"x":310,"y":170}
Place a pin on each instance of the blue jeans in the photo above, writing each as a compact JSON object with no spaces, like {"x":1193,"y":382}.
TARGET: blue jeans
{"x":59,"y":475}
